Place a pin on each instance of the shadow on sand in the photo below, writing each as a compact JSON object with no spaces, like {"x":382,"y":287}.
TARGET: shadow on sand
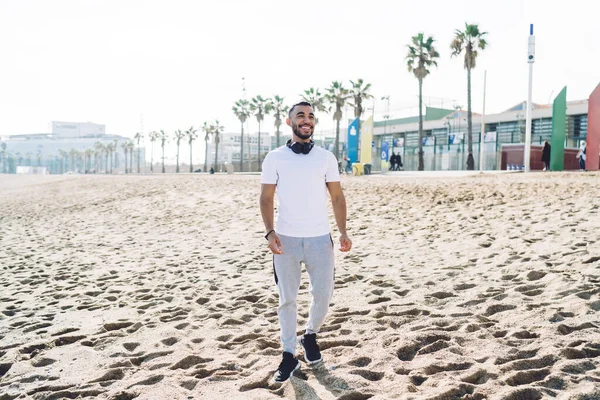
{"x":338,"y":387}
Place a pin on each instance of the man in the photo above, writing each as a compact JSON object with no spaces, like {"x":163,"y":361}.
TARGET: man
{"x":301,"y":173}
{"x":582,"y":156}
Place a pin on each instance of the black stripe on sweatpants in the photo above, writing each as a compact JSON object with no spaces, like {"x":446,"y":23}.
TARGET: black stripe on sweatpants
{"x":332,"y":246}
{"x":275,"y":272}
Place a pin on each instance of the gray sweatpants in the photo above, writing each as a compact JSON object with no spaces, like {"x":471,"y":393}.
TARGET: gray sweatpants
{"x":316,"y":253}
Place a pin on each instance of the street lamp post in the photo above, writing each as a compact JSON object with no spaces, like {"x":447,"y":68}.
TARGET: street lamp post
{"x":530,"y":60}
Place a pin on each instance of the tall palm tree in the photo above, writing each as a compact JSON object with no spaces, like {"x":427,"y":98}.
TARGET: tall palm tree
{"x":98,"y":150}
{"x":470,"y":41}
{"x":191,"y":135}
{"x":421,"y":56}
{"x":337,"y":96}
{"x":3,"y":153}
{"x":207,"y":129}
{"x":116,"y":151}
{"x":110,"y":147}
{"x":130,"y":146}
{"x":39,"y":157}
{"x":163,"y":140}
{"x":138,"y":137}
{"x":316,"y":99}
{"x":179,"y":134}
{"x":216,"y":130}
{"x":125,"y":147}
{"x":153,"y":138}
{"x":63,"y":158}
{"x":359,"y":93}
{"x":88,"y":156}
{"x":241,"y":109}
{"x":260,"y":107}
{"x":72,"y":156}
{"x":279,"y":113}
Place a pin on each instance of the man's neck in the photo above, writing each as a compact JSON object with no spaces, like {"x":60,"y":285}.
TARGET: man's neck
{"x":299,"y":139}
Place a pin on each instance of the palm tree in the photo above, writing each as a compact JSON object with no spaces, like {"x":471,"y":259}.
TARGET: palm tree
{"x":216,"y":130}
{"x":260,"y":107}
{"x":192,"y":135}
{"x":207,"y":129}
{"x":72,"y":156}
{"x":28,"y":157}
{"x":138,"y":137}
{"x":279,"y":112}
{"x":359,"y":93}
{"x":421,"y":56}
{"x":316,"y":99}
{"x":130,"y":146}
{"x":470,"y":41}
{"x":3,"y":153}
{"x":39,"y":157}
{"x":63,"y":157}
{"x":153,"y":138}
{"x":88,"y":156}
{"x":125,"y":147}
{"x":337,"y":96}
{"x":110,"y":147}
{"x":163,"y":140}
{"x":99,"y":150}
{"x":179,"y":134}
{"x":116,"y":151}
{"x":241,"y":109}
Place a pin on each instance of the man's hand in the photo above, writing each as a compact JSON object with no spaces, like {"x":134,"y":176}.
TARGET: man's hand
{"x":345,"y":243}
{"x":274,"y":243}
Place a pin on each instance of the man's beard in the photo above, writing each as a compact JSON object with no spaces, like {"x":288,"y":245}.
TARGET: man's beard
{"x":300,"y":134}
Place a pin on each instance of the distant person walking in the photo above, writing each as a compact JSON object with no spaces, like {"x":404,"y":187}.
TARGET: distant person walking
{"x":581,"y":156}
{"x":393,"y":162}
{"x":546,"y":156}
{"x":301,"y":174}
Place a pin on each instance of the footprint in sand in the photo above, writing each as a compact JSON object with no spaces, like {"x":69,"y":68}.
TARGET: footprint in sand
{"x":360,"y":362}
{"x":368,"y":374}
{"x":527,"y":377}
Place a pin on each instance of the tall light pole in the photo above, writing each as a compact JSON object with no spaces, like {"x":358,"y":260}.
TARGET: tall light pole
{"x":387,"y":112}
{"x":482,"y":142}
{"x":530,"y":60}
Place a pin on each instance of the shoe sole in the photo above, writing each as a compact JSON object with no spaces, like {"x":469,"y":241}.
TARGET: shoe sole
{"x":312,"y":362}
{"x":308,"y":361}
{"x":291,"y":374}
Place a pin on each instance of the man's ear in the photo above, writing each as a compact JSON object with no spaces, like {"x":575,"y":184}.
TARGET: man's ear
{"x":288,"y":122}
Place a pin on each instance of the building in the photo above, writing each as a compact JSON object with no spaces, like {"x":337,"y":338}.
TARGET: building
{"x":230,"y":146}
{"x":445,"y":134}
{"x":71,"y":146}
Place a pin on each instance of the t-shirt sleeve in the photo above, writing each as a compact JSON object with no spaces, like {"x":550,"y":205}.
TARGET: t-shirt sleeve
{"x":332,"y":174}
{"x":269,"y":170}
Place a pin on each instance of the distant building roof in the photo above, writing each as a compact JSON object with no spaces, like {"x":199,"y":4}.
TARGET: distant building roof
{"x":431,"y":114}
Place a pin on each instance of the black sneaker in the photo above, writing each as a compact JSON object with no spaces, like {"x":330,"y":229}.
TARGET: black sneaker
{"x":312,"y":354}
{"x":287,"y":367}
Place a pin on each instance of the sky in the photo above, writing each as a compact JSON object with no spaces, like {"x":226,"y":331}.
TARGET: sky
{"x":175,"y":64}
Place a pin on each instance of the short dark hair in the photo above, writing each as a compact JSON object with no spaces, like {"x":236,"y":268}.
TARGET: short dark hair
{"x":302,"y":103}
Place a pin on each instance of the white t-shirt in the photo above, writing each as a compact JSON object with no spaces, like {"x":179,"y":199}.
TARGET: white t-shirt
{"x":301,"y":189}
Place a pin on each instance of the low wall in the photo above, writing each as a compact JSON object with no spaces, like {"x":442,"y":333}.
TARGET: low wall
{"x":513,"y":154}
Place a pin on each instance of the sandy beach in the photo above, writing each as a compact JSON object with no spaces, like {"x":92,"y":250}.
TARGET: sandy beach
{"x":161,"y":287}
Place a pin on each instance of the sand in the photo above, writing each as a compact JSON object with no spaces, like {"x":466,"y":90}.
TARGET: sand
{"x":161,"y":287}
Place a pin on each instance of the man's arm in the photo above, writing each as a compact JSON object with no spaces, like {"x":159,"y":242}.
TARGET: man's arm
{"x":338,"y":201}
{"x":267,"y":210}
